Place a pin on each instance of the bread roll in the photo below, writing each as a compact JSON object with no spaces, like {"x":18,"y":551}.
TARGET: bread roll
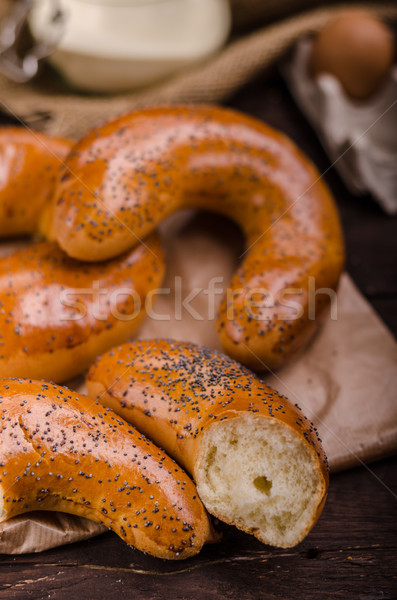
{"x":29,"y":163}
{"x":62,"y":451}
{"x":143,"y":167}
{"x":256,"y":459}
{"x":57,"y":314}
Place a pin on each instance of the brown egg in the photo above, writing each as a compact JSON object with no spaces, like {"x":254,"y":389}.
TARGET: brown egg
{"x":357,"y":49}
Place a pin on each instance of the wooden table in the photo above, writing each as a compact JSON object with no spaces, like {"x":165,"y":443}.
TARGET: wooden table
{"x":352,"y":551}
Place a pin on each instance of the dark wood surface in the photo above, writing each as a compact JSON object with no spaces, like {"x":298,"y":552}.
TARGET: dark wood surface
{"x":352,"y":551}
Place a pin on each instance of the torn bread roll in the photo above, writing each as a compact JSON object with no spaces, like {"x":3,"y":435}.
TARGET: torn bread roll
{"x":257,"y":461}
{"x":61,"y":451}
{"x":29,"y":165}
{"x":57,"y":314}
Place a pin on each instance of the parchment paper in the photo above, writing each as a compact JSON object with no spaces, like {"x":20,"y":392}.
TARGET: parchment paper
{"x":345,"y":381}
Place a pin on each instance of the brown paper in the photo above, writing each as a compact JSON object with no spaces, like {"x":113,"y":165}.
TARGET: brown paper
{"x":41,"y":531}
{"x":345,"y":381}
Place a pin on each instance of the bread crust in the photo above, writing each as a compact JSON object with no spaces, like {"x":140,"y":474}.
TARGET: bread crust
{"x":58,"y":313}
{"x":29,"y":164}
{"x":61,"y":451}
{"x":145,"y":166}
{"x":176,"y":393}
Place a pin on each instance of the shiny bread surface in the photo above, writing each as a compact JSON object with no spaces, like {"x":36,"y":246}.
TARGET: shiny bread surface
{"x":61,"y":451}
{"x":29,"y":162}
{"x":144,"y":166}
{"x":57,"y":313}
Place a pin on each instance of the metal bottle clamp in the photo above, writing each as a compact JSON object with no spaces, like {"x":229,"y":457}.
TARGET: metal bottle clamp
{"x":21,"y":68}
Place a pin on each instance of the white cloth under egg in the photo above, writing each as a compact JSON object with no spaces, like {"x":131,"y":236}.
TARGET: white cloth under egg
{"x":360,"y":137}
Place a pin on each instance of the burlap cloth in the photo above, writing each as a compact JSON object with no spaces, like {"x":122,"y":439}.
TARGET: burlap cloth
{"x":345,"y":381}
{"x":48,"y":104}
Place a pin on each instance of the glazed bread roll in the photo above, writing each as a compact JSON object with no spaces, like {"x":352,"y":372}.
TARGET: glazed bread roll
{"x":143,"y":167}
{"x":29,"y":163}
{"x":62,"y":451}
{"x":256,"y":459}
{"x":57,"y":314}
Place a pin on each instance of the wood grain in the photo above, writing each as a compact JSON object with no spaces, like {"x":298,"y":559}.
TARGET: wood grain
{"x":351,"y":553}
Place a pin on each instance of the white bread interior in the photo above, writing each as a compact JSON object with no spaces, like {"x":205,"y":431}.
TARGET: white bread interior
{"x":258,"y":473}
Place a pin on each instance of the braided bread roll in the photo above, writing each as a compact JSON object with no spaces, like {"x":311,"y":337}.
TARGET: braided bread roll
{"x":256,"y":459}
{"x":61,"y":451}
